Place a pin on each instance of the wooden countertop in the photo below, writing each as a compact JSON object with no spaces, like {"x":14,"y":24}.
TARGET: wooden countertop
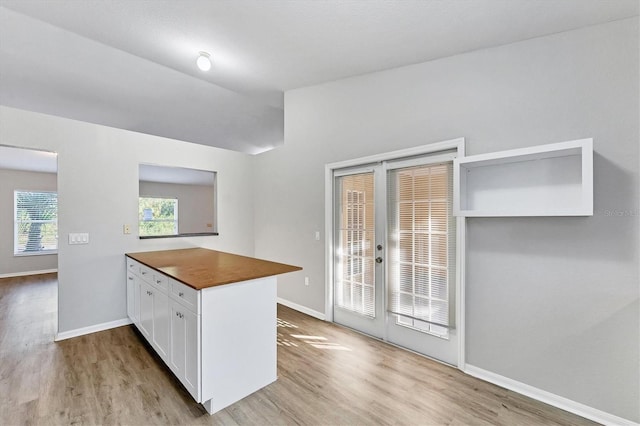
{"x":201,"y":268}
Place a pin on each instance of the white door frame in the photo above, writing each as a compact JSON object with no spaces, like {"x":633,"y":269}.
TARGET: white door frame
{"x":453,"y":144}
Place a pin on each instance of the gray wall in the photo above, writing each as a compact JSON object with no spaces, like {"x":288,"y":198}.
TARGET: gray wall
{"x":98,"y":194}
{"x":195,"y":204}
{"x":551,"y":302}
{"x":10,"y":181}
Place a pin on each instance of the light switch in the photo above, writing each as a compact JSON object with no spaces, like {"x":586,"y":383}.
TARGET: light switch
{"x":317,"y":235}
{"x":78,"y":238}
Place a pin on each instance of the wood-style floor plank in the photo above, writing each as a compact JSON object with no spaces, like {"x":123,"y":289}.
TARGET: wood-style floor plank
{"x":327,"y":375}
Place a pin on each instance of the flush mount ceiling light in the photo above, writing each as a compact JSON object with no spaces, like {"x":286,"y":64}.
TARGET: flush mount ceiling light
{"x":204,"y":61}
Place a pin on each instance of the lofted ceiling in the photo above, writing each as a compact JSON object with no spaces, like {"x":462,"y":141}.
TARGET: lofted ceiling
{"x":131,"y":64}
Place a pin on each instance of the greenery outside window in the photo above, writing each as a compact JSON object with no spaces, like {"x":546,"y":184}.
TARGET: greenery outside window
{"x":36,"y":222}
{"x":157,"y":216}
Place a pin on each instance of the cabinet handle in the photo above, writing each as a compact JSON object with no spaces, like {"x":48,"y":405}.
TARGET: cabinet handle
{"x":158,"y":281}
{"x":179,"y":315}
{"x":181,"y":294}
{"x":130,"y":278}
{"x":144,"y":273}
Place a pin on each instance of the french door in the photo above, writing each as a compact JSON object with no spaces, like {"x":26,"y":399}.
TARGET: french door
{"x":394,"y":253}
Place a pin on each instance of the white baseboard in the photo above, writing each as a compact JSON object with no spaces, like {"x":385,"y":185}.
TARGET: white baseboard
{"x":92,"y":329}
{"x":24,"y":274}
{"x":549,"y":398}
{"x":301,"y":308}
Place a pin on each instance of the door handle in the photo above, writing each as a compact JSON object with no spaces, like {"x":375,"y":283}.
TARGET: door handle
{"x":378,"y":259}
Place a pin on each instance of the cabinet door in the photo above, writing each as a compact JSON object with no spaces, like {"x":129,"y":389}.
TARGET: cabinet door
{"x":184,"y":358}
{"x":146,"y":310}
{"x":177,"y":355}
{"x":161,"y":323}
{"x":131,"y":291}
{"x":136,"y":300}
{"x":192,"y":354}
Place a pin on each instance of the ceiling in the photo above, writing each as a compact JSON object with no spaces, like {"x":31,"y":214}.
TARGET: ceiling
{"x":177,"y":175}
{"x":28,"y":160}
{"x":131,"y":64}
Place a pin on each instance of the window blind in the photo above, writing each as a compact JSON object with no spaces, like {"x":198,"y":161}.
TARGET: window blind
{"x":35,"y":222}
{"x":421,"y":246}
{"x":354,"y":263}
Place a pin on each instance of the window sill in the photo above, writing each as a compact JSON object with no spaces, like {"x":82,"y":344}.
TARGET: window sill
{"x":35,"y":253}
{"x":195,"y":234}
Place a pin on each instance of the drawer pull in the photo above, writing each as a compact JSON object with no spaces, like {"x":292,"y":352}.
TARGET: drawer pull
{"x":179,"y":314}
{"x":149,"y":293}
{"x":158,"y":281}
{"x":181,"y":294}
{"x":144,"y":273}
{"x":130,"y":278}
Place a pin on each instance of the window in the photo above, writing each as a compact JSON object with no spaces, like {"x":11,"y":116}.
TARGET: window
{"x":422,"y":243}
{"x":36,"y":222}
{"x":158,"y":216}
{"x":355,"y":263}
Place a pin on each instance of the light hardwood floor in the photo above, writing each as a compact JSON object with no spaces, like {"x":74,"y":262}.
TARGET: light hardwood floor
{"x":327,"y":375}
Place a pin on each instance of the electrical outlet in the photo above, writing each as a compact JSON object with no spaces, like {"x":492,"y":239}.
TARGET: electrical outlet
{"x":317,"y":235}
{"x":126,"y":229}
{"x":306,"y":280}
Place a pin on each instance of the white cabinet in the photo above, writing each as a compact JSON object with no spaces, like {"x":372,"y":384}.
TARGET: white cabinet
{"x":133,"y":294}
{"x":148,"y":305}
{"x":146,"y":310}
{"x":220,"y":342}
{"x":184,"y":357}
{"x":160,"y":335}
{"x":545,"y":180}
{"x":167,"y":313}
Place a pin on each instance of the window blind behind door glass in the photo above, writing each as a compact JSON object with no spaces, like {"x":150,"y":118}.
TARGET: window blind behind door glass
{"x":354,"y":263}
{"x":421,"y":246}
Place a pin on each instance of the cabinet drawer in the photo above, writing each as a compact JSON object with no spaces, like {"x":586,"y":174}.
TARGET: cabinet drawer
{"x":146,"y":274}
{"x":133,"y":266}
{"x":186,"y":295}
{"x":161,"y":281}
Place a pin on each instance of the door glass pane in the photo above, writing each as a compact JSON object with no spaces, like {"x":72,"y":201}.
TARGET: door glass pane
{"x":354,"y":254}
{"x":421,"y":252}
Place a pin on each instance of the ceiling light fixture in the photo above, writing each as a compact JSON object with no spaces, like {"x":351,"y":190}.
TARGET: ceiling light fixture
{"x":204,"y":61}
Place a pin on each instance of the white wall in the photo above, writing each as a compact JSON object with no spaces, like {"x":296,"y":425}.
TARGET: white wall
{"x":551,"y":302}
{"x":98,"y":194}
{"x":10,"y":181}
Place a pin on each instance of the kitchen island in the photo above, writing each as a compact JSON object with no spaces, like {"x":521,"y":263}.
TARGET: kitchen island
{"x":210,"y":316}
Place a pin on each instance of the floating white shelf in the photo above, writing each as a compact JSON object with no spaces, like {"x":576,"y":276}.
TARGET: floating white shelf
{"x":544,"y":180}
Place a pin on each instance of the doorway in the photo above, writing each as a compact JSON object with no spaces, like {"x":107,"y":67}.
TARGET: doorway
{"x":395,"y":269}
{"x":29,"y":220}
